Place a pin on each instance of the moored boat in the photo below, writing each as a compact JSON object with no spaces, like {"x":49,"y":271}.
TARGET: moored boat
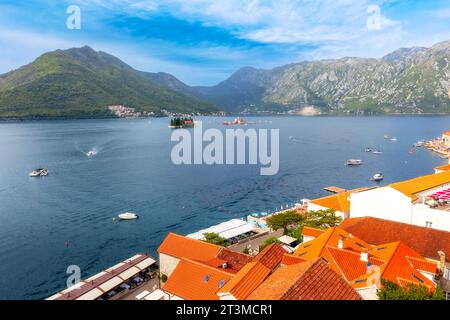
{"x":354,"y":162}
{"x":378,"y":177}
{"x":128,"y":216}
{"x":39,"y":172}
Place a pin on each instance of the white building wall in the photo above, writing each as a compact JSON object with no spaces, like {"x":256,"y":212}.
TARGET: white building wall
{"x":439,"y":219}
{"x":167,"y":264}
{"x":384,"y":203}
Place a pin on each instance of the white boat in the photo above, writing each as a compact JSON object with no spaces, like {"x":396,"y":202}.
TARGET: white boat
{"x":377,"y":152}
{"x":394,"y":139}
{"x":128,"y":216}
{"x":39,"y":173}
{"x":91,"y":153}
{"x":368,"y":150}
{"x":378,"y":177}
{"x":354,"y":162}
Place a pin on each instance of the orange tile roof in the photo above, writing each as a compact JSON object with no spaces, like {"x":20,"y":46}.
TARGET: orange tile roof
{"x":394,"y":259}
{"x":446,"y":133}
{"x":312,"y":232}
{"x":289,"y":259}
{"x":413,"y":186}
{"x":246,"y":280}
{"x":195,"y":281}
{"x":234,"y":260}
{"x":314,"y":248}
{"x":270,"y":256}
{"x":426,"y":241}
{"x":445,"y":167}
{"x":423,"y":265}
{"x":312,"y":280}
{"x":400,"y":266}
{"x":349,"y":264}
{"x":183,"y":247}
{"x":338,"y":202}
{"x":254,"y":273}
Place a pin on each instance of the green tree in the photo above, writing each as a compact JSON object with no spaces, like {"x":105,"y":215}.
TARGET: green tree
{"x":322,"y":219}
{"x":269,"y":241}
{"x":284,"y":220}
{"x":297,"y":233}
{"x":392,"y":291}
{"x":214,"y":238}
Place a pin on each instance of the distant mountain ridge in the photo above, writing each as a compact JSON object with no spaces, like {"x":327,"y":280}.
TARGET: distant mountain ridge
{"x":81,"y":82}
{"x":409,"y":80}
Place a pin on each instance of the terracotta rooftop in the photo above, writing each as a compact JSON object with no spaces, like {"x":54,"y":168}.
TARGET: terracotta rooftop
{"x":338,"y":202}
{"x":233,"y":260}
{"x":270,"y":256}
{"x":196,"y":281}
{"x":426,"y":241}
{"x":312,"y":280}
{"x":183,"y":247}
{"x":445,"y":167}
{"x":413,"y":186}
{"x":343,"y":252}
{"x":312,"y":232}
{"x":254,"y":273}
{"x":215,"y":256}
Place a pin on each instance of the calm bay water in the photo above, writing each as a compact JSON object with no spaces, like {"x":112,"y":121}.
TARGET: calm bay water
{"x":133,"y":172}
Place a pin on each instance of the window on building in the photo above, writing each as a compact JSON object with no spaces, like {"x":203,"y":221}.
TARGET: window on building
{"x":447,"y":295}
{"x":428,"y":224}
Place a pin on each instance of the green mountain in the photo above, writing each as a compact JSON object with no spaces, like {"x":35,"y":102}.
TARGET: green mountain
{"x":409,"y":80}
{"x":81,"y":82}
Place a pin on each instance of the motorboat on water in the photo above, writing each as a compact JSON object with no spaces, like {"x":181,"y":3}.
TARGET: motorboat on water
{"x":394,"y":139}
{"x":378,"y":177}
{"x":368,"y":150}
{"x":128,"y":216}
{"x":91,"y":153}
{"x":378,"y":152}
{"x":39,"y":172}
{"x":354,"y":162}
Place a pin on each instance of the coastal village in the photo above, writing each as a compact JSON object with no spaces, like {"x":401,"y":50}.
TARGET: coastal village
{"x":360,"y":244}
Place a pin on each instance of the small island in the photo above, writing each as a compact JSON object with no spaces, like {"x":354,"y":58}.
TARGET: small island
{"x":181,"y":122}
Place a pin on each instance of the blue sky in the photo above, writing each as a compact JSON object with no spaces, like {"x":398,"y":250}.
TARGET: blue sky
{"x":202,"y":42}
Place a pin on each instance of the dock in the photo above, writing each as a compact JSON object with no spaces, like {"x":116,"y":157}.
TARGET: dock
{"x":333,"y":189}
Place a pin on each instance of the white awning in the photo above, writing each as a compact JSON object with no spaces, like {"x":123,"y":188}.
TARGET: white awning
{"x":157,"y":295}
{"x":127,"y":274}
{"x":145,"y":264}
{"x":110,"y":284}
{"x":227,"y":230}
{"x":91,"y":295}
{"x":237,"y":231}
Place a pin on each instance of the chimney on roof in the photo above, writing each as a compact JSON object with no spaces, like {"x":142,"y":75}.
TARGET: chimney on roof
{"x":364,"y":257}
{"x":441,"y":265}
{"x":224,"y":265}
{"x":341,"y":244}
